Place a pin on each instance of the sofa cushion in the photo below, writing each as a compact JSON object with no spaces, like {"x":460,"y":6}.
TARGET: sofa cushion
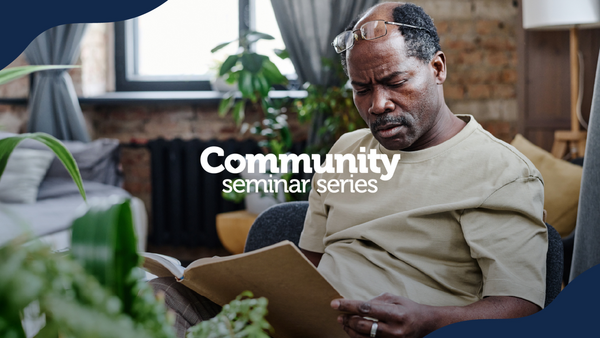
{"x":55,"y":211}
{"x":97,"y":160}
{"x":562,"y":181}
{"x":23,"y":173}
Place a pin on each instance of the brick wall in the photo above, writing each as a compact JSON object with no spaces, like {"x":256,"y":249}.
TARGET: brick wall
{"x":479,"y":40}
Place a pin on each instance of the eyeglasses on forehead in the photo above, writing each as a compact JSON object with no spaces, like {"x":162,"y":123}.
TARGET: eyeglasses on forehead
{"x":368,"y":31}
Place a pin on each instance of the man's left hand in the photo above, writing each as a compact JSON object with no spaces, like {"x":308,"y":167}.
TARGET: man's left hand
{"x":401,"y":317}
{"x":397,"y":317}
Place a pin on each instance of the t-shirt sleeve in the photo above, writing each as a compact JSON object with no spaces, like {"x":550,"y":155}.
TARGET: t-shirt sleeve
{"x":315,"y":222}
{"x":509,"y":240}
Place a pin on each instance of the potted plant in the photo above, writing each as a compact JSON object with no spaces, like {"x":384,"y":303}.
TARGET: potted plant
{"x":255,"y":76}
{"x":335,"y":105}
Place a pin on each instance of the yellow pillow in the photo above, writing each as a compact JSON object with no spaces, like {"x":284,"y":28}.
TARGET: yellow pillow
{"x":562,"y":181}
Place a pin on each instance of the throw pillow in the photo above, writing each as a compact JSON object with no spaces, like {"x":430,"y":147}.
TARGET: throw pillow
{"x":23,"y":174}
{"x":562,"y":181}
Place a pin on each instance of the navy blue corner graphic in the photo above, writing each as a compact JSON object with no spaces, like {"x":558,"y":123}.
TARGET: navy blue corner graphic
{"x":574,"y":313}
{"x":23,"y":20}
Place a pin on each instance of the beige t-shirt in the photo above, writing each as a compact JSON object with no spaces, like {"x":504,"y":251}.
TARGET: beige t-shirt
{"x":457,"y":222}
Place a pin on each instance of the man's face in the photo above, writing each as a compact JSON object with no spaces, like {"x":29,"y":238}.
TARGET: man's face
{"x":396,"y":95}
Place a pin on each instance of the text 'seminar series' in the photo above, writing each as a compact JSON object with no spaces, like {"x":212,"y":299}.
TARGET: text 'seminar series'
{"x":334,"y":164}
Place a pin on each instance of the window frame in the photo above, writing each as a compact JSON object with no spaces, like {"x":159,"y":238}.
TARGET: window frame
{"x":126,"y":50}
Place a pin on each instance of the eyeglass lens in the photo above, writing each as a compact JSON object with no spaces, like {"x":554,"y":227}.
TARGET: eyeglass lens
{"x":373,"y":30}
{"x":369,"y":31}
{"x":343,"y":41}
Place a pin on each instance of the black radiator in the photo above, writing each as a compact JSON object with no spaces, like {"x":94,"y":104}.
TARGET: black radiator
{"x":185,"y":198}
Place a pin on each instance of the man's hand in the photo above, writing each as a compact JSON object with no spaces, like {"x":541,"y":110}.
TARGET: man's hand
{"x":397,"y":317}
{"x":401,"y":317}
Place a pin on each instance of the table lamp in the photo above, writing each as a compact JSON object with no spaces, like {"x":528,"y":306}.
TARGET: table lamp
{"x":572,"y":15}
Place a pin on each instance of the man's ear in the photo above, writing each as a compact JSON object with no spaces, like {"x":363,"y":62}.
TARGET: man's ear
{"x":438,"y":65}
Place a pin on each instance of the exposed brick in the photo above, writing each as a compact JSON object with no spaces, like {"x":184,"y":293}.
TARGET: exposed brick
{"x":128,"y":113}
{"x":117,"y":127}
{"x":134,"y":156}
{"x":479,"y":91}
{"x":460,"y":27}
{"x":136,"y":187}
{"x":138,"y":171}
{"x":458,"y":44}
{"x":447,"y":9}
{"x":488,"y":27}
{"x":508,"y":76}
{"x":13,"y":119}
{"x":472,"y":58}
{"x":442,"y":27}
{"x":498,"y":43}
{"x":513,"y":59}
{"x":495,"y":9}
{"x":503,"y":91}
{"x":454,"y":92}
{"x":497,"y":59}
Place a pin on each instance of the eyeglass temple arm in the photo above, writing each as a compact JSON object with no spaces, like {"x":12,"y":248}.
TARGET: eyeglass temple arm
{"x":405,"y":25}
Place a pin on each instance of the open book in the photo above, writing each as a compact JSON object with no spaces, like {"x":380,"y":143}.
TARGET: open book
{"x":298,"y":295}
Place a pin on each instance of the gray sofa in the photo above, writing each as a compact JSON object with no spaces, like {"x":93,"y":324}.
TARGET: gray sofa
{"x":58,"y":200}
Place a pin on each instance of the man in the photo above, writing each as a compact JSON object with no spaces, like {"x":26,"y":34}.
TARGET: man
{"x":457,"y":234}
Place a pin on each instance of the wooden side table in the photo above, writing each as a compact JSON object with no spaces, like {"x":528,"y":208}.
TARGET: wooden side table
{"x":233,"y":227}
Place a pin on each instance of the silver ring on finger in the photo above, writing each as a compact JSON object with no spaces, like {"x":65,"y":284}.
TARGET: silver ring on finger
{"x":374,"y":329}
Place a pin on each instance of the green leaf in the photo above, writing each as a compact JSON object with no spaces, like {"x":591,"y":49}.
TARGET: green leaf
{"x":235,"y":197}
{"x":276,"y":147}
{"x":245,"y":85}
{"x":104,"y":243}
{"x":232,"y":78}
{"x":255,"y":36}
{"x":225,"y":105}
{"x":286,"y":137}
{"x":13,"y":73}
{"x":282,"y":53}
{"x":220,"y":46}
{"x":238,"y":112}
{"x":252,"y":62}
{"x":240,"y":318}
{"x":7,"y":145}
{"x":228,"y":64}
{"x":261,"y":84}
{"x":272,"y":73}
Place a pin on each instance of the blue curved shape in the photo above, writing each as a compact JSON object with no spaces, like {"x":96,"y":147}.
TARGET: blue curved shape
{"x":574,"y":313}
{"x":23,"y":20}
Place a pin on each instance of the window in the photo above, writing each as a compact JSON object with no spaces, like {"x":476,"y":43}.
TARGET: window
{"x":169,"y":47}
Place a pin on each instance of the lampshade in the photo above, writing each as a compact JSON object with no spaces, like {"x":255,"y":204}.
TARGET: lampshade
{"x":560,"y":14}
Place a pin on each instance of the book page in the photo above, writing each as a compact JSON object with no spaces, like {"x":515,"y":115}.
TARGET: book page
{"x":162,"y":266}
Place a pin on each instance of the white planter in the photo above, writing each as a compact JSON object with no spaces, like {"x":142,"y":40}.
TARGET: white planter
{"x":220,"y":85}
{"x":257,"y":202}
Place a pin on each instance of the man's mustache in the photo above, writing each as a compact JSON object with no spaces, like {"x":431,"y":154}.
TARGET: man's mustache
{"x":383,"y":120}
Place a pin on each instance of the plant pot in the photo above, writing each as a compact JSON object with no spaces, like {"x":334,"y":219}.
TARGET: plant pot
{"x":220,"y":85}
{"x":257,"y":202}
